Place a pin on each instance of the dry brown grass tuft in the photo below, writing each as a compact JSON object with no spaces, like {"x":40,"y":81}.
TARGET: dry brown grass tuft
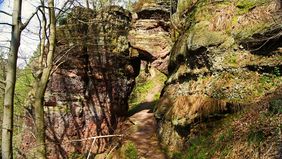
{"x":195,"y":106}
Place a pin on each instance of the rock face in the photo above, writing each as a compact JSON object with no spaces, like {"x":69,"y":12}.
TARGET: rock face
{"x":94,"y":76}
{"x":228,"y":54}
{"x":150,"y":34}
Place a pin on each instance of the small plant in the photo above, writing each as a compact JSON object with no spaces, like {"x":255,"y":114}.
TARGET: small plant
{"x":277,"y":71}
{"x":265,"y":79}
{"x":130,"y":151}
{"x":76,"y":155}
{"x":256,"y":136}
{"x":275,"y":106}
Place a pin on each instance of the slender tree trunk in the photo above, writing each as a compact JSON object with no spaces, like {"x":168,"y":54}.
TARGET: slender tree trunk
{"x":94,"y":4}
{"x":7,"y":126}
{"x":39,"y":121}
{"x":87,"y":4}
{"x":41,"y":84}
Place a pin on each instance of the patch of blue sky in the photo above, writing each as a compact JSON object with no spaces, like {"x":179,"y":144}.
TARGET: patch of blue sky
{"x":1,"y":3}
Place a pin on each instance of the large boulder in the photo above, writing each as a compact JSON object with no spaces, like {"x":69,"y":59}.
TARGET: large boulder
{"x":93,"y":77}
{"x":228,"y":54}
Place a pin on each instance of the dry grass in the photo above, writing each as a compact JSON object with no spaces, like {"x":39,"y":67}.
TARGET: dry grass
{"x":195,"y":106}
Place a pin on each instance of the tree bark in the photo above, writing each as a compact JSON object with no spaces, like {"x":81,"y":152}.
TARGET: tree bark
{"x":41,"y":84}
{"x":7,"y":126}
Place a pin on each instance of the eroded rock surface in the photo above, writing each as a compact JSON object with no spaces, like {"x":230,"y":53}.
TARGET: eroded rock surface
{"x":150,"y":34}
{"x":228,"y":54}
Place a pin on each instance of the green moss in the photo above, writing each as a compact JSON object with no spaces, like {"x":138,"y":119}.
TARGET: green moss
{"x":144,"y":86}
{"x":245,"y":32}
{"x":183,"y":5}
{"x":245,"y":5}
{"x":233,"y":59}
{"x":202,"y":36}
{"x":140,"y":91}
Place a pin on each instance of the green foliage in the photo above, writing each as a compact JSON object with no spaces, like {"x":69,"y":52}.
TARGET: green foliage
{"x":204,"y":146}
{"x":255,"y":136}
{"x":23,"y":86}
{"x":141,"y":90}
{"x":144,"y":86}
{"x":62,"y":20}
{"x":275,"y":106}
{"x":245,"y":32}
{"x":277,"y":71}
{"x":76,"y":155}
{"x":129,"y":151}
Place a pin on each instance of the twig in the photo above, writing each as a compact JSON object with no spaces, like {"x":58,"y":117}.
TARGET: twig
{"x":267,"y":40}
{"x":5,"y":13}
{"x":96,"y":137}
{"x":270,"y":148}
{"x":2,"y":82}
{"x":108,"y":155}
{"x":89,"y":153}
{"x":6,"y":24}
{"x":58,"y":64}
{"x":59,"y":59}
{"x":5,"y":47}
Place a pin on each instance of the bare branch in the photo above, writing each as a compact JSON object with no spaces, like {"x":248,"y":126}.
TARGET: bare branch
{"x":6,"y":24}
{"x":96,"y":137}
{"x":112,"y":150}
{"x":57,"y":64}
{"x":6,"y":47}
{"x":89,"y":153}
{"x":267,"y":40}
{"x":29,"y":19}
{"x":64,"y":6}
{"x":2,"y":82}
{"x":5,"y":13}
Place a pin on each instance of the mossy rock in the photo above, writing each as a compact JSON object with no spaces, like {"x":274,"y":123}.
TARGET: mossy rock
{"x":201,"y":36}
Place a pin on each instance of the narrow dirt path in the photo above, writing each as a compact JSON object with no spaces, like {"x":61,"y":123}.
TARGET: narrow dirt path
{"x":144,"y":135}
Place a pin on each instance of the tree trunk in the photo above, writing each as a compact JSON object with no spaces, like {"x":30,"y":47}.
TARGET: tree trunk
{"x":39,"y":121}
{"x":41,"y":84}
{"x":87,"y":4}
{"x":7,"y":126}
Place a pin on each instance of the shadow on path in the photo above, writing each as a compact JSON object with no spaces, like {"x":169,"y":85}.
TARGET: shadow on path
{"x":143,"y":132}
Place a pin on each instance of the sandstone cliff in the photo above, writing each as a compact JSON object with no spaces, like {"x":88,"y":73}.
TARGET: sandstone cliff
{"x":150,"y":36}
{"x":227,"y":55}
{"x":93,"y":77}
